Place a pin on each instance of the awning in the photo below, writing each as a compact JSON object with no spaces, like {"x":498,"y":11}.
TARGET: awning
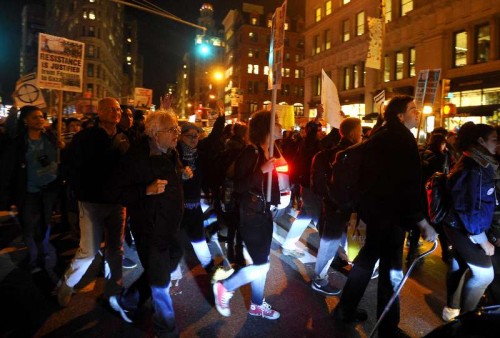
{"x":486,"y":110}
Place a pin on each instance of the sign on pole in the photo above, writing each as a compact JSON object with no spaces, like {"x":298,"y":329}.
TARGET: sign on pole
{"x":330,"y":101}
{"x":276,"y":49}
{"x":425,"y":92}
{"x":143,"y":97}
{"x":27,"y":92}
{"x":379,"y":100}
{"x":60,"y":63}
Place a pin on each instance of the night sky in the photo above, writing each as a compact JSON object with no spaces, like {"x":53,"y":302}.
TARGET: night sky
{"x":162,"y":42}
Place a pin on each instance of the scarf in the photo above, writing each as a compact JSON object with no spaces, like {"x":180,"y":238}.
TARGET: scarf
{"x":189,"y":155}
{"x":483,"y":158}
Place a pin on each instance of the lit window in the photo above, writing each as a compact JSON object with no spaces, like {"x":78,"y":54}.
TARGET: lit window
{"x":345,"y":2}
{"x":355,"y":75}
{"x":249,"y":69}
{"x":297,"y":74}
{"x":287,"y":72}
{"x":412,"y":62}
{"x":346,"y":34}
{"x":269,"y":23}
{"x":250,"y":53}
{"x":129,"y":58}
{"x":256,"y":69}
{"x":266,"y":70}
{"x":399,"y":65}
{"x":347,"y":78}
{"x":406,"y":6}
{"x":482,"y":43}
{"x":286,"y":26}
{"x":388,"y":11}
{"x":317,"y":46}
{"x":185,"y":76}
{"x":85,"y":15}
{"x":91,"y":0}
{"x":254,"y":21}
{"x":387,"y":68}
{"x":460,"y":49}
{"x":328,"y":39}
{"x":328,"y":7}
{"x":92,"y":15}
{"x":129,"y":40}
{"x":317,"y":17}
{"x":360,"y":23}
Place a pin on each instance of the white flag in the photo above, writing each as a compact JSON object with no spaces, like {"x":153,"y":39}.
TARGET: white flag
{"x":330,"y":101}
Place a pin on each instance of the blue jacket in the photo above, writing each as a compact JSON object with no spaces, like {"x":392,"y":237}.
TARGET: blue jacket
{"x":473,"y":197}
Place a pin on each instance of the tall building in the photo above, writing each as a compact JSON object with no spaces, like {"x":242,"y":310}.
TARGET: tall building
{"x":111,"y":58}
{"x":248,"y":31}
{"x":459,"y":37}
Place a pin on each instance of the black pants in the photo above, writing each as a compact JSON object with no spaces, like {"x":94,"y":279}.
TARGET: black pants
{"x":192,"y":222}
{"x":384,"y":241}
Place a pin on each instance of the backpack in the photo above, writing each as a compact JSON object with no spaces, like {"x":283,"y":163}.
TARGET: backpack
{"x":321,"y":171}
{"x":344,"y":185}
{"x":437,"y":197}
{"x":345,"y":188}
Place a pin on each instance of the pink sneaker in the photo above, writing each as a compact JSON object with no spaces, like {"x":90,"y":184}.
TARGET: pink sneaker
{"x":222,"y":298}
{"x":263,"y":311}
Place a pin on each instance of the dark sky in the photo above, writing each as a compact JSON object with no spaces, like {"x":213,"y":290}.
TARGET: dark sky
{"x":162,"y":42}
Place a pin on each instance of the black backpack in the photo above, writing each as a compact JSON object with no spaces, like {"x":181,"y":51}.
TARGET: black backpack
{"x":437,"y":197}
{"x":345,"y":190}
{"x":321,"y":171}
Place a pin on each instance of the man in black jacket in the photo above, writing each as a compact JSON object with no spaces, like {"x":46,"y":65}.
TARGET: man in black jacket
{"x":390,"y":199}
{"x":149,"y":184}
{"x":93,"y":156}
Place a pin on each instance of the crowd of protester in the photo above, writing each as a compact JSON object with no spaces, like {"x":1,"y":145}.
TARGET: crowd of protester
{"x":127,"y":175}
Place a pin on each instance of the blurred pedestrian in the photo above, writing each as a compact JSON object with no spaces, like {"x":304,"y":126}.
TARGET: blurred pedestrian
{"x":390,"y":178}
{"x":473,"y":200}
{"x":256,"y":224}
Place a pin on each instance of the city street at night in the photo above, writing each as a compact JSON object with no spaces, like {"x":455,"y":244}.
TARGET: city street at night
{"x":304,"y":313}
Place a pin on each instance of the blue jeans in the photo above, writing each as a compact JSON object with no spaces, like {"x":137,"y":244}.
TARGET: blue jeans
{"x":466,"y":294}
{"x":253,"y":274}
{"x":35,"y":218}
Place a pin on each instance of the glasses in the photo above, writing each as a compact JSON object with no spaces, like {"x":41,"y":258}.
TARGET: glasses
{"x":173,"y":130}
{"x":191,"y":136}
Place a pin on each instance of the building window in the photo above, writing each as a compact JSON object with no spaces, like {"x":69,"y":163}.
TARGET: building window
{"x":253,"y":36}
{"x":253,"y":21}
{"x":399,"y":65}
{"x":347,"y":78}
{"x":266,"y":70}
{"x":269,"y":23}
{"x":286,"y":26}
{"x":345,"y":2}
{"x":360,"y":23}
{"x":297,"y":74}
{"x":460,"y":49}
{"x":297,"y":58}
{"x":90,"y":50}
{"x":249,"y":69}
{"x":317,"y":16}
{"x":355,"y":76}
{"x":256,"y":69}
{"x":387,"y":68}
{"x":90,"y":69}
{"x":91,"y":31}
{"x":411,"y":62}
{"x":363,"y":75}
{"x":90,"y":88}
{"x":91,"y":15}
{"x":346,"y":34}
{"x":482,"y":43}
{"x":406,"y":6}
{"x":85,"y":15}
{"x":98,"y":71}
{"x":328,"y":7}
{"x":286,"y":73}
{"x":316,"y":85}
{"x":328,"y":39}
{"x":253,"y":53}
{"x":317,"y":46}
{"x":388,"y":11}
{"x":287,"y":56}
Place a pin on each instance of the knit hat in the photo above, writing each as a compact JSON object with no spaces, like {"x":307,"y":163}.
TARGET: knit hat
{"x":187,"y":126}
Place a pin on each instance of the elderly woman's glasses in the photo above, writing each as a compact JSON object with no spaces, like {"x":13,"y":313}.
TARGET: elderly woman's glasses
{"x":173,"y":130}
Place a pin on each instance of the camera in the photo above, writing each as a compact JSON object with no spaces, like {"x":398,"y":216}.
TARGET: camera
{"x":43,"y":160}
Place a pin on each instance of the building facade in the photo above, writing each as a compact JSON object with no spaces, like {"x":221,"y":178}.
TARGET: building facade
{"x":459,"y":37}
{"x":112,"y":64}
{"x":248,"y":36}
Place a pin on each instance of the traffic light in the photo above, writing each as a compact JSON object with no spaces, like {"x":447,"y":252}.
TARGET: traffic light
{"x":449,"y":109}
{"x":445,"y":88}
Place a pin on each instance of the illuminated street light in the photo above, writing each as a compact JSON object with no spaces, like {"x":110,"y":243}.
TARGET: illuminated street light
{"x":218,"y":76}
{"x":427,"y":110}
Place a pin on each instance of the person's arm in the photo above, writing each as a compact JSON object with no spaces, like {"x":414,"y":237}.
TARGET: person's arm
{"x":248,"y":175}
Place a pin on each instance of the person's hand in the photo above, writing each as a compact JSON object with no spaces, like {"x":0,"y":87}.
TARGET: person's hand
{"x":220,"y":107}
{"x":268,"y":166}
{"x":157,"y":187}
{"x":320,"y":110}
{"x":489,"y":249}
{"x":187,"y":173}
{"x":166,"y":101}
{"x":427,"y":232}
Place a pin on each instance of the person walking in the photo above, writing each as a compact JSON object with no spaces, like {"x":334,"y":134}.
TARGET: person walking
{"x":93,"y":156}
{"x":256,"y":223}
{"x":473,"y":201}
{"x":390,"y":179}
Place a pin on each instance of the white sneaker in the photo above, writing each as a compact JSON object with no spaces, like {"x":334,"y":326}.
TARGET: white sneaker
{"x":449,"y":314}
